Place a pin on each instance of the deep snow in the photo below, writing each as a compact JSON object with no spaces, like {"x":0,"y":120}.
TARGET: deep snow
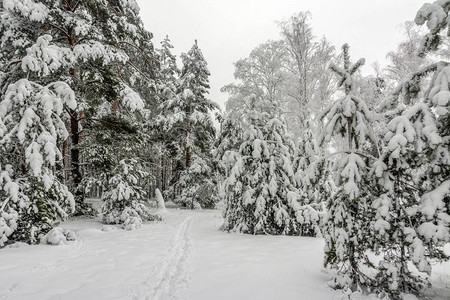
{"x":183,"y":257}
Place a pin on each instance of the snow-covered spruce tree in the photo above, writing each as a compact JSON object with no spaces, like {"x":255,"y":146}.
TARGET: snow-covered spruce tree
{"x":412,"y":221}
{"x":259,"y":193}
{"x":230,"y":138}
{"x":346,"y":227}
{"x":188,"y":117}
{"x":437,"y":177}
{"x":397,"y":217}
{"x":32,"y":199}
{"x":314,"y":189}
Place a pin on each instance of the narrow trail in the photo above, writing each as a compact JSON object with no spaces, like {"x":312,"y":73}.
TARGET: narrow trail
{"x":169,"y":279}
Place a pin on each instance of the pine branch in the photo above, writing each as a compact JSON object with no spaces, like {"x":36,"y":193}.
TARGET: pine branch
{"x":14,"y":63}
{"x":76,"y":6}
{"x":356,"y":66}
{"x":140,"y":51}
{"x":66,"y":3}
{"x":79,"y":41}
{"x":60,"y":30}
{"x":137,"y":69}
{"x":402,"y":87}
{"x":70,"y":114}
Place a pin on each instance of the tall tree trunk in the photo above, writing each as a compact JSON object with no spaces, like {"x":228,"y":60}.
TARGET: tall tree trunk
{"x":75,"y":134}
{"x":163,"y":180}
{"x":75,"y":157}
{"x":188,"y":156}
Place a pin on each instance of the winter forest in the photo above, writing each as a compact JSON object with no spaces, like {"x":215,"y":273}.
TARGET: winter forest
{"x":122,"y":178}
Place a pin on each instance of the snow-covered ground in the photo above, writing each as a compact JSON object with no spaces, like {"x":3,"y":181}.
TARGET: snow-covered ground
{"x":183,"y":257}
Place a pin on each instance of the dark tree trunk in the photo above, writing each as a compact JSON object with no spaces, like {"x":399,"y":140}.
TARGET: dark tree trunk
{"x":75,"y":157}
{"x":188,"y":156}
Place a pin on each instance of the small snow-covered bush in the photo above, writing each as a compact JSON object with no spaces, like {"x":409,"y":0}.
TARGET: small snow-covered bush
{"x":124,"y":197}
{"x":58,"y":236}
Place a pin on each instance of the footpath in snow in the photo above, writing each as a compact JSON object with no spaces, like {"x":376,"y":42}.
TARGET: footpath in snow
{"x":183,"y":257}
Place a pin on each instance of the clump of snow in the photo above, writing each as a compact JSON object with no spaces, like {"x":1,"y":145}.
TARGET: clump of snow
{"x":34,"y":11}
{"x":433,"y":14}
{"x":109,"y":228}
{"x":58,"y":236}
{"x":131,"y":99}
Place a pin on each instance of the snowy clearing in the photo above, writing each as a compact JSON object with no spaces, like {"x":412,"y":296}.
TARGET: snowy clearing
{"x":183,"y":257}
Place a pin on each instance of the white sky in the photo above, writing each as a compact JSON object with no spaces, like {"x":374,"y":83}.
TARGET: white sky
{"x":228,"y":30}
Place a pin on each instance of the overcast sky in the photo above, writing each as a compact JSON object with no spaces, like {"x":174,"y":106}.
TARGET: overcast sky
{"x":228,"y":30}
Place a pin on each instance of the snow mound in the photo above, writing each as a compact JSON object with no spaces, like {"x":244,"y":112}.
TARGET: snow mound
{"x":109,"y":228}
{"x":58,"y":236}
{"x":160,"y":201}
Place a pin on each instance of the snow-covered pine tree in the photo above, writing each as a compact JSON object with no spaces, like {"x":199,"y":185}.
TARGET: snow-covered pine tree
{"x":412,"y":220}
{"x":346,"y":225}
{"x":189,"y":115}
{"x":86,"y":50}
{"x":80,"y":44}
{"x":259,"y":192}
{"x":166,"y":140}
{"x":120,"y":127}
{"x":117,"y":121}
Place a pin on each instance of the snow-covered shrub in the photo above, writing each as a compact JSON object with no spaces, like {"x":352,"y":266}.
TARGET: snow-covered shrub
{"x":45,"y":210}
